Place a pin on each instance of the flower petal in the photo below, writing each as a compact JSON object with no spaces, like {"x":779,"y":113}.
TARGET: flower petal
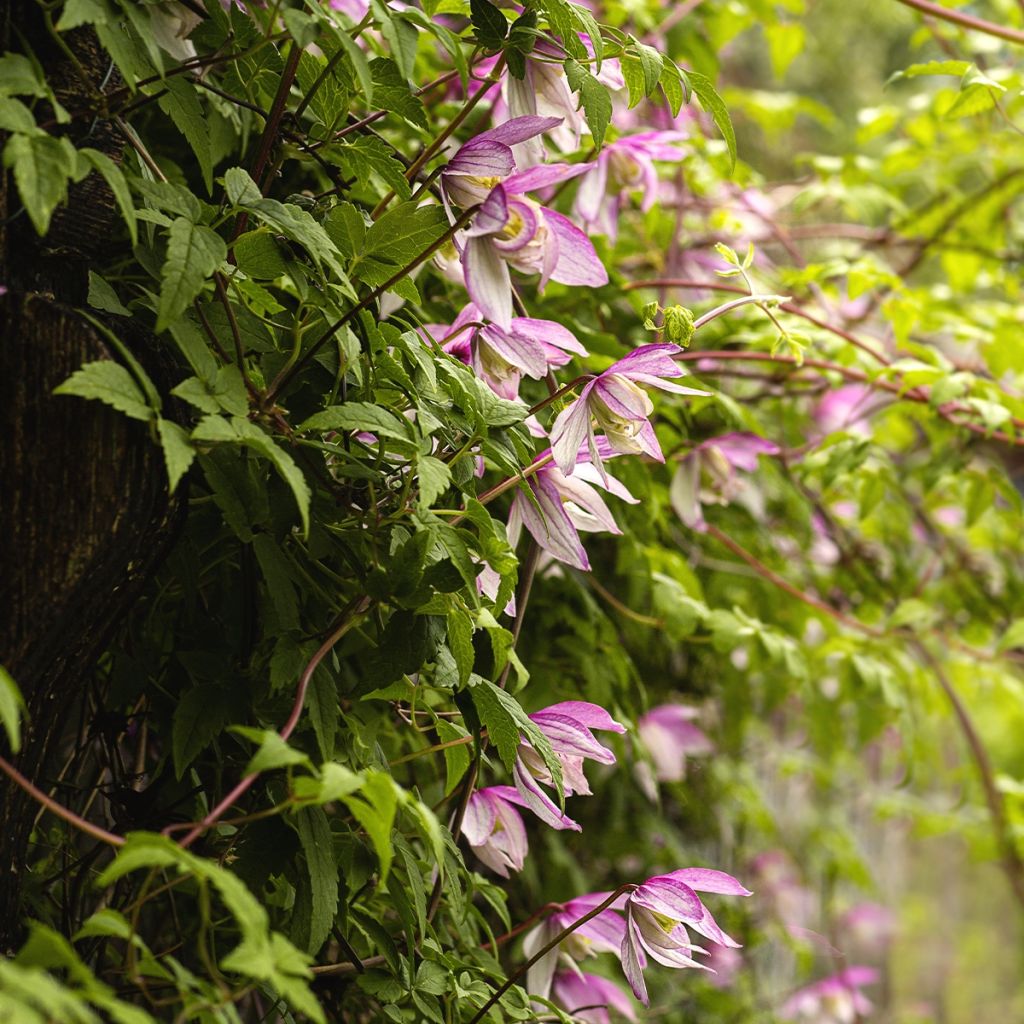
{"x":577,"y":261}
{"x":488,"y":280}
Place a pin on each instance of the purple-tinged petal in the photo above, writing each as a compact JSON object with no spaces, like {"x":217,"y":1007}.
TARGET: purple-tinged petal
{"x":570,"y":430}
{"x":484,"y":158}
{"x":544,"y":175}
{"x":569,"y":738}
{"x":655,"y":359}
{"x":591,"y":192}
{"x":519,"y":129}
{"x":710,"y":880}
{"x":478,"y":823}
{"x":492,"y":216}
{"x":629,"y":954}
{"x":577,"y":261}
{"x":593,"y":716}
{"x":524,"y":222}
{"x":539,"y":802}
{"x":547,"y":332}
{"x":488,"y":281}
{"x":669,"y":897}
{"x":742,"y":450}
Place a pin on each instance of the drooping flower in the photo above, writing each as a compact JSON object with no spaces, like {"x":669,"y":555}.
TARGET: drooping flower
{"x":511,"y":229}
{"x":567,"y":506}
{"x":708,"y":474}
{"x":668,"y":733}
{"x":658,"y":914}
{"x":501,"y":357}
{"x":620,"y":406}
{"x":846,"y":408}
{"x":567,"y":727}
{"x":603,"y":933}
{"x":868,"y":926}
{"x":834,"y":1000}
{"x":624,"y":166}
{"x":495,"y":829}
{"x":587,"y":997}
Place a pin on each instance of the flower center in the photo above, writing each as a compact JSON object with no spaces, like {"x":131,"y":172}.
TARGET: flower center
{"x":666,"y":924}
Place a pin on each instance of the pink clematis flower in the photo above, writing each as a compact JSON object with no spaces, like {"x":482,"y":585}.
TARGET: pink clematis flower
{"x":870,"y":926}
{"x":601,"y":934}
{"x":846,"y":408}
{"x":511,"y":229}
{"x":834,"y":1000}
{"x":587,"y":997}
{"x":708,"y":474}
{"x":668,"y":733}
{"x":495,"y":829}
{"x":567,"y":727}
{"x":567,"y":506}
{"x":621,"y":167}
{"x":658,"y":914}
{"x":501,"y":357}
{"x":620,"y":406}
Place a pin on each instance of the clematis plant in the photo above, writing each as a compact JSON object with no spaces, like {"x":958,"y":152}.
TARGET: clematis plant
{"x":568,"y":505}
{"x":588,"y":997}
{"x":668,"y":733}
{"x":567,"y":727}
{"x":658,"y":914}
{"x":621,"y":407}
{"x":837,"y":999}
{"x":708,"y":474}
{"x":603,"y":933}
{"x":495,"y":830}
{"x":510,"y":229}
{"x":624,"y":166}
{"x":501,"y":357}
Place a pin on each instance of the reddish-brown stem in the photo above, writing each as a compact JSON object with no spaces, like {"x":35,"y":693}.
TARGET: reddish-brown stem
{"x":560,"y":937}
{"x":954,"y":17}
{"x":348,"y":619}
{"x":59,"y":809}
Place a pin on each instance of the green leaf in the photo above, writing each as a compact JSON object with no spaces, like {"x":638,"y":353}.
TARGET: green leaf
{"x":118,"y":185}
{"x":713,"y":104}
{"x":404,"y":232}
{"x":374,"y":808}
{"x":178,"y":450}
{"x":238,"y":430}
{"x":597,"y":104}
{"x":435,"y":478}
{"x":12,"y":707}
{"x":42,"y":167}
{"x":489,"y":24}
{"x":361,"y":416}
{"x":369,"y":153}
{"x":111,"y":383}
{"x":391,"y":92}
{"x":674,"y":86}
{"x":360,"y":65}
{"x":460,"y":642}
{"x":456,"y":758}
{"x":16,"y":117}
{"x":259,"y":255}
{"x":1013,"y":637}
{"x":103,"y":297}
{"x":181,"y":104}
{"x":335,"y":783}
{"x":201,"y":715}
{"x":194,"y":252}
{"x":322,"y":872}
{"x":19,"y":77}
{"x":273,"y":751}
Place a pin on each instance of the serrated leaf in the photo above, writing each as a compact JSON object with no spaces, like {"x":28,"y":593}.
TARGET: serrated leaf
{"x":456,"y":758}
{"x":435,"y":478}
{"x":103,"y":297}
{"x":594,"y":98}
{"x":489,"y":24}
{"x":177,"y":449}
{"x":108,"y":382}
{"x":715,"y":106}
{"x":259,"y":255}
{"x":322,"y":872}
{"x":391,"y":92}
{"x":42,"y":167}
{"x":361,"y":416}
{"x":460,"y":643}
{"x":374,"y":808}
{"x":274,"y":752}
{"x":403,"y":233}
{"x":238,"y":430}
{"x":369,"y":153}
{"x":201,"y":714}
{"x":194,"y":252}
{"x":181,"y":104}
{"x":12,"y":707}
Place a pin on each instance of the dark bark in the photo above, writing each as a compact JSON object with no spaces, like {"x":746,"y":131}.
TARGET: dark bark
{"x":84,"y":512}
